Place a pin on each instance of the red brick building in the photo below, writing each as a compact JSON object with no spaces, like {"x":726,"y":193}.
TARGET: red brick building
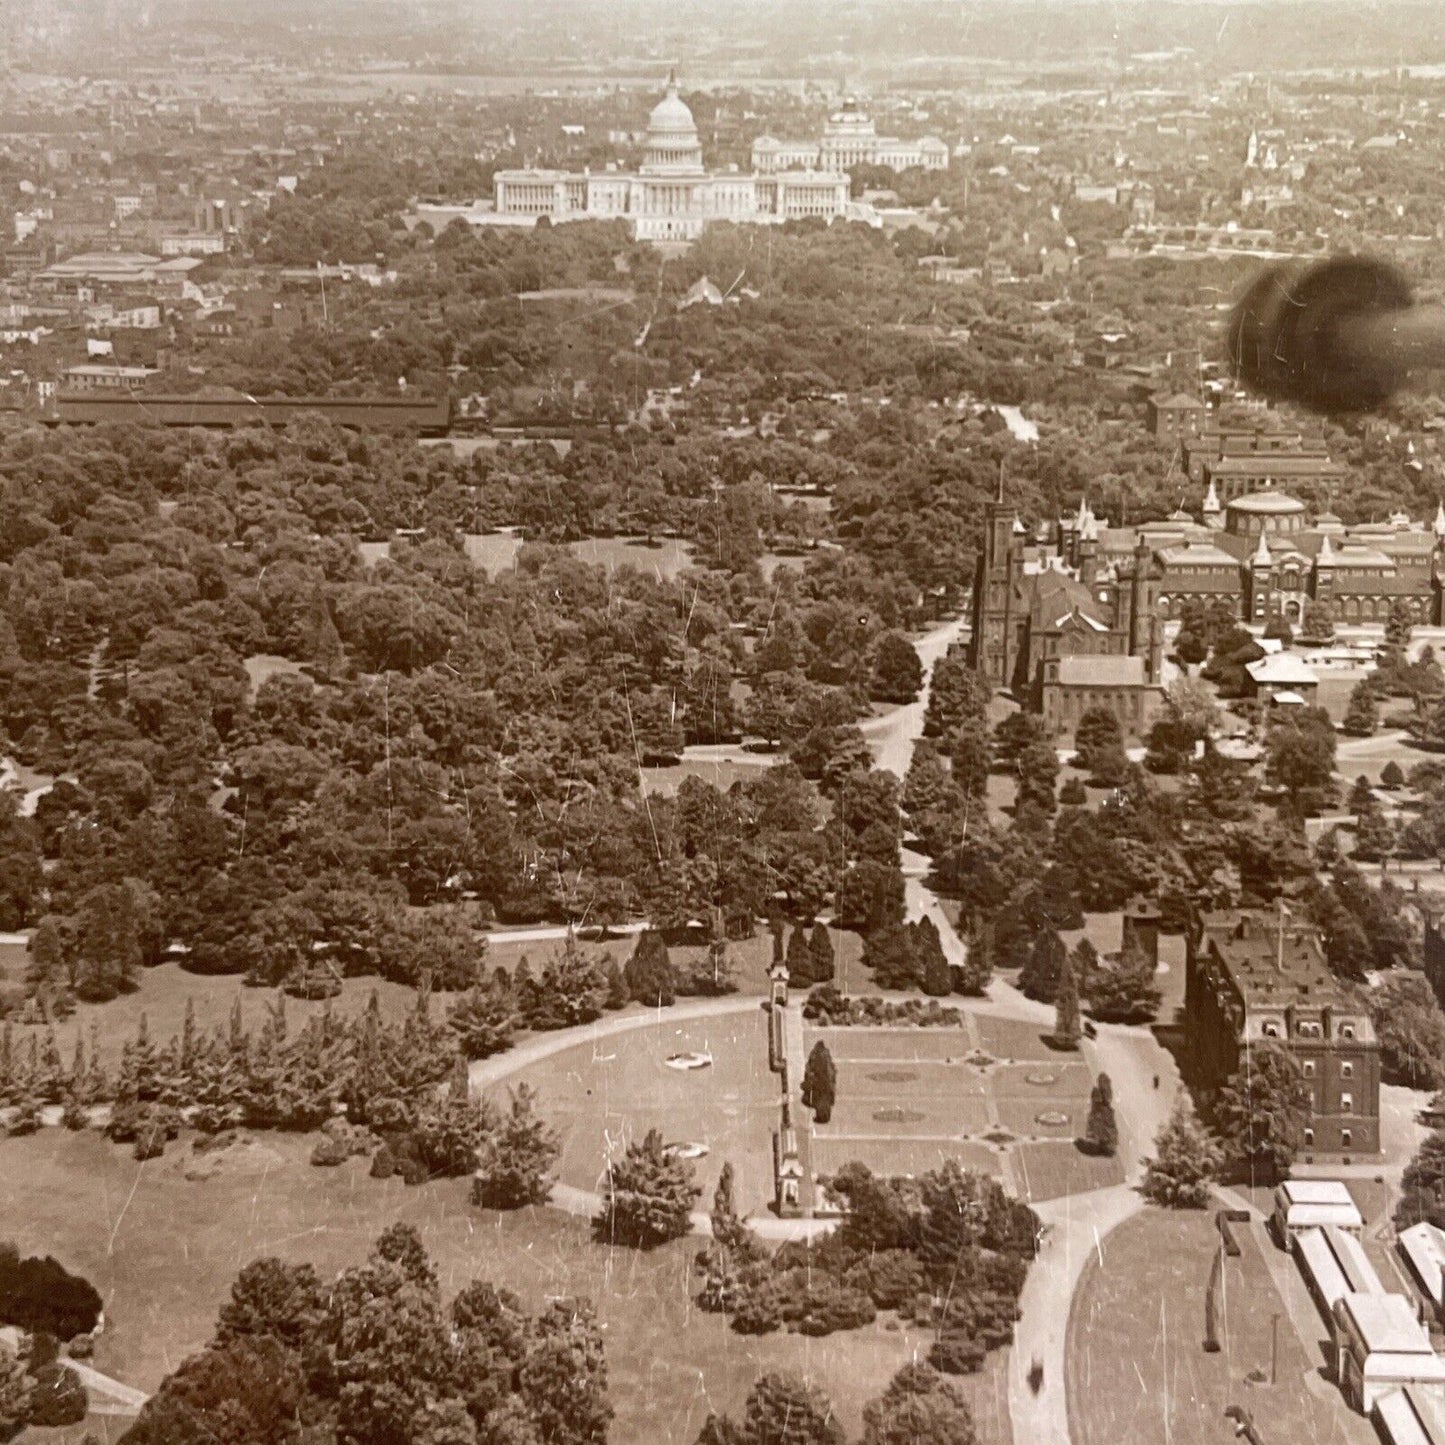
{"x":1255,"y":976}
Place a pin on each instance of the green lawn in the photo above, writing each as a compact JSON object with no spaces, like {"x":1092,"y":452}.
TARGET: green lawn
{"x":163,"y":1251}
{"x":1052,"y":1169}
{"x":1137,"y":1373}
{"x":605,"y":1094}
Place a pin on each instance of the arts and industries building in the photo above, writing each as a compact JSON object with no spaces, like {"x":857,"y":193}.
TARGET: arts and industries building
{"x":672,"y":196}
{"x":1071,"y":613}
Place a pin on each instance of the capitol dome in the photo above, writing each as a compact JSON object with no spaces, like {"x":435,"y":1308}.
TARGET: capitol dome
{"x":672,"y":146}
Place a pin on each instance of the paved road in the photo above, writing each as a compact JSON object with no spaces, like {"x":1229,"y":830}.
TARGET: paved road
{"x":1078,"y":1227}
{"x":107,"y":1396}
{"x":554,"y":933}
{"x":485,"y":1072}
{"x":892,"y":735}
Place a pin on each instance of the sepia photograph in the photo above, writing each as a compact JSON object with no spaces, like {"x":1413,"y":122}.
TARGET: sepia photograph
{"x":722,"y":723}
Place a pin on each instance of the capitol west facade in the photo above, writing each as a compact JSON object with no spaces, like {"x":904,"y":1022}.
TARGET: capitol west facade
{"x":673,"y":197}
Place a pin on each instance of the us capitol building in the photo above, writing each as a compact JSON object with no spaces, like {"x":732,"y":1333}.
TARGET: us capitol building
{"x":672,"y":196}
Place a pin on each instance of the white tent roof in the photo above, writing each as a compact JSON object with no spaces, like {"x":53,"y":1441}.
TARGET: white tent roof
{"x":1424,"y":1246}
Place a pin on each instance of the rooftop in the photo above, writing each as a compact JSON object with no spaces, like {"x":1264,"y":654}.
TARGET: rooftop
{"x":1386,"y":1324}
{"x":1282,"y":669}
{"x":1274,"y":972}
{"x":1101,"y":671}
{"x":1410,"y":1417}
{"x":1424,"y":1246}
{"x":1317,"y":1191}
{"x":1272,"y":503}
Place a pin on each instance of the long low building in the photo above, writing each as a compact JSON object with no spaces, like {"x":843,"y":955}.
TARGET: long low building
{"x":1380,"y":1346}
{"x":1334,"y":1264}
{"x":1423,"y":1246}
{"x":425,"y":416}
{"x":1408,"y":1417}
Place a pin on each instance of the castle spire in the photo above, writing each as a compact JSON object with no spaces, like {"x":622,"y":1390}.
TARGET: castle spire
{"x":1440,"y":519}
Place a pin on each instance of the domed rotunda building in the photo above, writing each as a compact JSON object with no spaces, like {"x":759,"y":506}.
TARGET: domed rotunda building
{"x":672,"y":196}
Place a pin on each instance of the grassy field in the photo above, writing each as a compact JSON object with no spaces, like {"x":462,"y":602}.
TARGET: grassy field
{"x":894,"y":1155}
{"x":907,"y":1101}
{"x":602,"y":1096}
{"x":163,"y":1250}
{"x":1137,"y":1372}
{"x":722,"y":773}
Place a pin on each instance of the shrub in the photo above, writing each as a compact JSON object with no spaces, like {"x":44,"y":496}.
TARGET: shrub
{"x":330,"y":1152}
{"x":828,"y":1307}
{"x":383,"y":1163}
{"x":41,"y":1295}
{"x":58,"y":1397}
{"x":413,"y":1171}
{"x":956,"y":1353}
{"x":758,"y":1311}
{"x":1073,"y":793}
{"x":891,"y":1278}
{"x":26,"y":1119}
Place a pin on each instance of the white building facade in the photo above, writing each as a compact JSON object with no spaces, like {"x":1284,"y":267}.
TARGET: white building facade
{"x":672,"y":196}
{"x":849,"y":139}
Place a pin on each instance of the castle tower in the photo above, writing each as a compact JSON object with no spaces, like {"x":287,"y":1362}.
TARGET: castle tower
{"x":1088,"y":562}
{"x":991,"y":640}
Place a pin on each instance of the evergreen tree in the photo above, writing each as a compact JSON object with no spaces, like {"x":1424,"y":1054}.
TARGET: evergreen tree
{"x":728,"y":1229}
{"x":719,"y":974}
{"x":1067,"y":1026}
{"x":919,"y":1407}
{"x":483,"y":1021}
{"x":1101,"y":1134}
{"x":784,"y":1410}
{"x":820,"y":950}
{"x":649,"y":972}
{"x":1125,"y":990}
{"x":1374,"y":835}
{"x":1086,"y":965}
{"x":1319,"y":624}
{"x":1261,"y":1112}
{"x":517,"y":1158}
{"x":932,"y":962}
{"x":1362,"y":716}
{"x":820,"y":1083}
{"x":799,"y":960}
{"x":618,"y":995}
{"x":648,"y":1197}
{"x":1186,"y":1162}
{"x":888,"y":952}
{"x":975,"y":974}
{"x":1040,"y":975}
